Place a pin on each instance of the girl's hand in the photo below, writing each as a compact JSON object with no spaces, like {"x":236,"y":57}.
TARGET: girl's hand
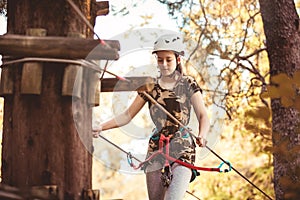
{"x":97,"y":132}
{"x":201,"y":141}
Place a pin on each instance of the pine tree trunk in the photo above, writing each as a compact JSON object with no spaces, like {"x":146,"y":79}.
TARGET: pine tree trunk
{"x":281,"y":25}
{"x":41,"y":142}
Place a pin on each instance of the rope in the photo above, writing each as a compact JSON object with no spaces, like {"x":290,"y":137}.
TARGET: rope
{"x":102,"y":42}
{"x":85,"y":63}
{"x":127,"y":153}
{"x":84,"y":19}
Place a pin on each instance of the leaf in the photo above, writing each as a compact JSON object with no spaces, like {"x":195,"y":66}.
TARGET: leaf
{"x":271,"y":92}
{"x":285,"y":84}
{"x":280,"y":78}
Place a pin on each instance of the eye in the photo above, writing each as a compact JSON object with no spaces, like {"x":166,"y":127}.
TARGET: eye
{"x":160,"y":60}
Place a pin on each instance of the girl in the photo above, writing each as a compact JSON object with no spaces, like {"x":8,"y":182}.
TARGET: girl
{"x":177,"y":93}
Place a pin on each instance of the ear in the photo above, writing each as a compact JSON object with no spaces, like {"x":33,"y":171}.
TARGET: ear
{"x":178,"y":59}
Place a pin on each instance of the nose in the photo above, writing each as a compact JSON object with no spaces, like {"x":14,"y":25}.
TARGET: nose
{"x":164,"y":62}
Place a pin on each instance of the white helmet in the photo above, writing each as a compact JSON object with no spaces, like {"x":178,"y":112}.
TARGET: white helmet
{"x":170,"y":42}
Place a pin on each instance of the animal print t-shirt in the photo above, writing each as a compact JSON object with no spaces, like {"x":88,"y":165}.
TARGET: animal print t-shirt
{"x":178,"y":103}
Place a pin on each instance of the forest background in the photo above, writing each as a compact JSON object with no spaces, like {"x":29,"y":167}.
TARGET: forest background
{"x":231,"y":65}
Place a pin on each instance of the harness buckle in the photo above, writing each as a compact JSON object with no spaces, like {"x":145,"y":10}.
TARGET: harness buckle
{"x":166,"y":176}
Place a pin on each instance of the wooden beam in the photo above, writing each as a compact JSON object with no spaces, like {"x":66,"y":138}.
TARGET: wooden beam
{"x":134,"y":84}
{"x":58,"y":47}
{"x":7,"y":81}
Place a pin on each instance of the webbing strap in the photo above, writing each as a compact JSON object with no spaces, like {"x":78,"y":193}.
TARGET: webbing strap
{"x":169,"y":158}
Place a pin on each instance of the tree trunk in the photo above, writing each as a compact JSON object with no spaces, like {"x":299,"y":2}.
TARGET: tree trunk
{"x":281,"y":26}
{"x":41,"y":142}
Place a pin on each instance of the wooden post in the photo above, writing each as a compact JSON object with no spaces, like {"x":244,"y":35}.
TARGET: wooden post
{"x":41,"y":142}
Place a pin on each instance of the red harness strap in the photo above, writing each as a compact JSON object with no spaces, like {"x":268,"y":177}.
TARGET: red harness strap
{"x":163,"y":139}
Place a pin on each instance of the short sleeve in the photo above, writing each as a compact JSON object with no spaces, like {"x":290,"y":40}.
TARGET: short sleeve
{"x":141,"y":94}
{"x":192,"y":86}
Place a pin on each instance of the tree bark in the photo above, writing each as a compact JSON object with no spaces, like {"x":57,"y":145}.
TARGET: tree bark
{"x":45,"y":141}
{"x":281,"y":26}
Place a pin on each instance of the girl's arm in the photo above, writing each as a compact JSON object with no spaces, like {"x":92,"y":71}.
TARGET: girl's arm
{"x":123,"y":118}
{"x":202,"y":116}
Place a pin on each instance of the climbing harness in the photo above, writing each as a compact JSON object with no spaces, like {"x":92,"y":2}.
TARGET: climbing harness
{"x":168,"y":158}
{"x":166,"y":170}
{"x":164,"y":150}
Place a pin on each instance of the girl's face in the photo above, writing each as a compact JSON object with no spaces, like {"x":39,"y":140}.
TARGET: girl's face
{"x":167,"y":62}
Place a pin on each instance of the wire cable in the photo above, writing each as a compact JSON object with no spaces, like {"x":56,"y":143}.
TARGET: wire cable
{"x":82,"y":62}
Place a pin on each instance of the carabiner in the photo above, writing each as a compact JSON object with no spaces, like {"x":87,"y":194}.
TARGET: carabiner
{"x":225,"y":170}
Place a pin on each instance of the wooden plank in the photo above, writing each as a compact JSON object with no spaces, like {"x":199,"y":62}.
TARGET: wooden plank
{"x":58,"y":47}
{"x":31,"y":81}
{"x":32,"y":72}
{"x":134,"y":84}
{"x":72,"y":80}
{"x":7,"y":83}
{"x":93,"y":88}
{"x":49,"y":192}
